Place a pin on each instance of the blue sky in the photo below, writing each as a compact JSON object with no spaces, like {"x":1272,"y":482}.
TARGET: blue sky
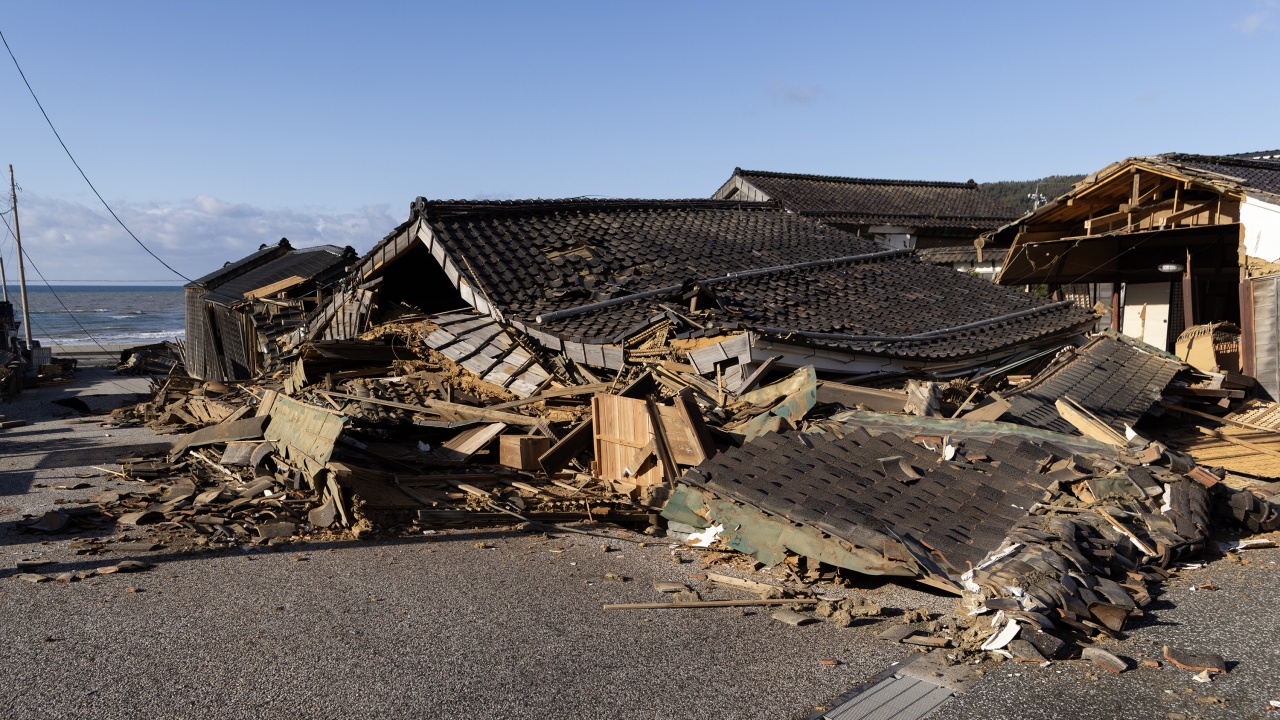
{"x":217,"y":126}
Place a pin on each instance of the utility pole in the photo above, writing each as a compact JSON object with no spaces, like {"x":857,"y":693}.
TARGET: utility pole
{"x":22,"y":276}
{"x":4,"y":283}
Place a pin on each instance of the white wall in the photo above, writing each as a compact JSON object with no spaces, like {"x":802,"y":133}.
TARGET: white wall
{"x":1261,"y":222}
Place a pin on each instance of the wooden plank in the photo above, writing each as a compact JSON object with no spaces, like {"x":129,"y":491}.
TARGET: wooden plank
{"x":1087,"y":423}
{"x":853,"y":396}
{"x":275,"y":287}
{"x":1215,"y":418}
{"x":706,"y":604}
{"x":268,"y":400}
{"x":430,"y":407}
{"x":569,"y":447}
{"x":620,"y":426}
{"x":462,"y":446}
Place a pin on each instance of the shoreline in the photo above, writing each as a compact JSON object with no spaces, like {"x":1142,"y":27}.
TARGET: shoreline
{"x":92,"y":355}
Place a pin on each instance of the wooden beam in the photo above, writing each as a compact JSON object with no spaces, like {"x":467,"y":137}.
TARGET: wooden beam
{"x":1188,"y":295}
{"x":1116,"y":315}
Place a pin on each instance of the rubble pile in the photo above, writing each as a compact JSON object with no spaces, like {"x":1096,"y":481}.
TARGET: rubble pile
{"x":1047,"y":477}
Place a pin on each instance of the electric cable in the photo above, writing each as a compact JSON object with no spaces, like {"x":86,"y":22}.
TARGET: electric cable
{"x":70,"y":314}
{"x":78,"y":168}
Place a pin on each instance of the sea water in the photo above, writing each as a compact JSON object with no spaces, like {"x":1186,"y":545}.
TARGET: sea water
{"x":116,"y":315}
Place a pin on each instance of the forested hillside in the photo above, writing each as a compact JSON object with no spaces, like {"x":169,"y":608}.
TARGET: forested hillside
{"x":1014,"y":193}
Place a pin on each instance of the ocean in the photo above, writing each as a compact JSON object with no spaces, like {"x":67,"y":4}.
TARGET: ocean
{"x":111,"y":314}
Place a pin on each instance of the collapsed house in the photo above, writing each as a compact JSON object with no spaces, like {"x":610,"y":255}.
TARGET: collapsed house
{"x":601,"y":283}
{"x":235,"y":314}
{"x":1163,"y":244}
{"x":927,"y":216}
{"x":732,"y":375}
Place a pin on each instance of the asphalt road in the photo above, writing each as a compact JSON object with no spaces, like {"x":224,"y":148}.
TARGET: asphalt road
{"x":423,"y":627}
{"x":436,"y":626}
{"x":1237,"y":620}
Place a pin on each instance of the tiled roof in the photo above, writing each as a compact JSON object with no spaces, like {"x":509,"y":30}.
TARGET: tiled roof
{"x":531,"y":259}
{"x":1268,"y":155}
{"x":229,"y":270}
{"x":1113,"y":376}
{"x":882,"y":202}
{"x":962,"y":253}
{"x":303,"y":262}
{"x":1260,"y":175}
{"x":849,"y":485}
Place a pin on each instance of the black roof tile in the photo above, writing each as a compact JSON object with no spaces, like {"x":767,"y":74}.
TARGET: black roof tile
{"x":867,"y":201}
{"x":963,"y":513}
{"x":646,"y":245}
{"x":1113,"y":376}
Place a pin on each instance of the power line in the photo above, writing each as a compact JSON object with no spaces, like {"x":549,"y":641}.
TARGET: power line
{"x":78,"y":168}
{"x":65,"y":308}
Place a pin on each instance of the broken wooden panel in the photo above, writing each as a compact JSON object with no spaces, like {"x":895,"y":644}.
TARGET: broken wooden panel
{"x":573,"y":444}
{"x":469,"y":442}
{"x":304,"y":434}
{"x":1239,"y":450}
{"x":621,"y":427}
{"x":685,"y":432}
{"x":484,"y":347}
{"x":736,"y":349}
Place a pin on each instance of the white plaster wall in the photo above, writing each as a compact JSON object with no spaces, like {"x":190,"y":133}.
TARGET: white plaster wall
{"x":1261,"y":222}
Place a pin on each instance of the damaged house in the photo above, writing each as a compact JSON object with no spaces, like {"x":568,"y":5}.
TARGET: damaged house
{"x":600,"y":283}
{"x":1167,"y":243}
{"x":939,"y":219}
{"x":235,"y":314}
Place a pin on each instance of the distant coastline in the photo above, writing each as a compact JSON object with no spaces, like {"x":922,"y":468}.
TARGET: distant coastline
{"x":85,"y":314}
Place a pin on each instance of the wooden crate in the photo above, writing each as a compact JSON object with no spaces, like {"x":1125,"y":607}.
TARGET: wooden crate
{"x":522,"y":451}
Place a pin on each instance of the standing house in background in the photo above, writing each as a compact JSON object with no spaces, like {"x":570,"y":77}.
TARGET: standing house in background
{"x":1168,"y":242}
{"x":895,"y":213}
{"x":235,"y":313}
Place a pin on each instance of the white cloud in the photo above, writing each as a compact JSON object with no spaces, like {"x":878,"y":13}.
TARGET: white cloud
{"x":783,"y":92}
{"x":1260,"y":20}
{"x":71,"y":241}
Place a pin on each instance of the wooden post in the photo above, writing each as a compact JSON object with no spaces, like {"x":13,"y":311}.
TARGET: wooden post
{"x":1115,"y":306}
{"x":22,"y":276}
{"x":1188,"y":298}
{"x":1246,"y":327}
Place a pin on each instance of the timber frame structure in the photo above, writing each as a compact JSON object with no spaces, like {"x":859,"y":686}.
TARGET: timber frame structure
{"x":1167,"y":242}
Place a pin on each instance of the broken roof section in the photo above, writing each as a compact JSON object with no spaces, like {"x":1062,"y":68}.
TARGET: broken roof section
{"x":937,"y":206}
{"x":902,"y":508}
{"x":234,"y":314}
{"x":1114,"y":377}
{"x":582,"y":276}
{"x":271,"y":267}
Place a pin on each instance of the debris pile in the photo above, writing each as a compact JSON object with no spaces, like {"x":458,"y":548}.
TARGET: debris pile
{"x":1049,"y":479}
